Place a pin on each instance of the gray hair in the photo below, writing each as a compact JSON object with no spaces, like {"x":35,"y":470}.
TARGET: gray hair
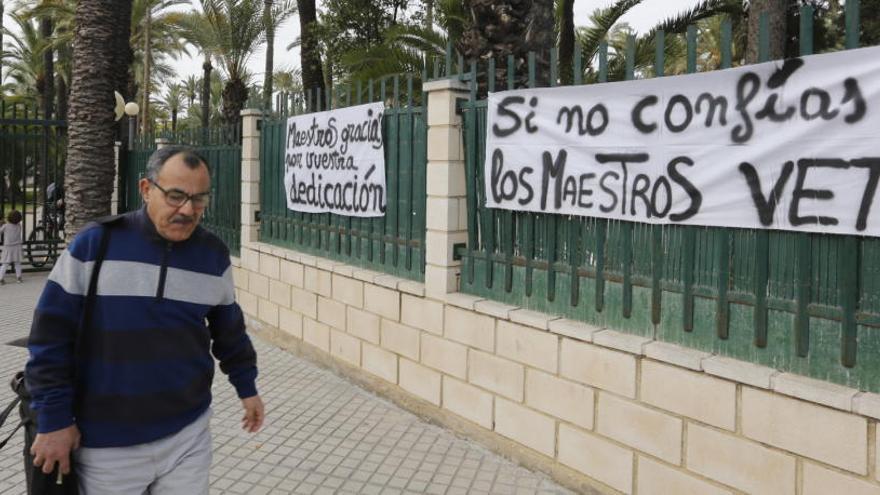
{"x":191,"y":158}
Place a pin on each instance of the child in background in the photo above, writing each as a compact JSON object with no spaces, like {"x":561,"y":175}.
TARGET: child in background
{"x":12,"y":239}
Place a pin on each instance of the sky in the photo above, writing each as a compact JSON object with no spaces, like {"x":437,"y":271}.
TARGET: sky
{"x":641,"y":18}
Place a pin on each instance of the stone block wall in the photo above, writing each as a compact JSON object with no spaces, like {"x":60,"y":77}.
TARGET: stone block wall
{"x":601,"y":411}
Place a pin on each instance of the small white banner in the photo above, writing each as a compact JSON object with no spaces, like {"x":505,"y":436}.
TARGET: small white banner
{"x":335,"y":162}
{"x":790,"y":145}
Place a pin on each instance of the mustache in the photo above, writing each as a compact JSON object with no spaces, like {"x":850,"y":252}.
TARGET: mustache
{"x":182,"y":219}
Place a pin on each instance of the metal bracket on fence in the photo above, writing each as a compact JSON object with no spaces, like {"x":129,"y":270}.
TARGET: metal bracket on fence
{"x":257,"y":216}
{"x":459,"y":105}
{"x":458,"y":250}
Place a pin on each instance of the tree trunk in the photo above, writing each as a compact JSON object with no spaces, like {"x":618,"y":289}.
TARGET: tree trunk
{"x":512,"y":27}
{"x":88,"y":179}
{"x":145,"y":107}
{"x":429,"y":14}
{"x":206,"y":93}
{"x":776,"y":12}
{"x":566,"y":43}
{"x":173,"y":120}
{"x":270,"y":53}
{"x":235,"y":94}
{"x":123,"y":56}
{"x":310,"y":57}
{"x":48,"y":92}
{"x":63,"y":96}
{"x":2,"y":13}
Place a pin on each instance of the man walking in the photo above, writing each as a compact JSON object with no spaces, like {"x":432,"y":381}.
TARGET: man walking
{"x":129,"y":394}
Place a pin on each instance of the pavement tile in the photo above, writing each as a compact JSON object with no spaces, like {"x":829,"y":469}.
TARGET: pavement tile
{"x":322,"y":434}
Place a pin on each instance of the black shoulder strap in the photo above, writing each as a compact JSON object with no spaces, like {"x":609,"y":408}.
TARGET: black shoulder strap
{"x":92,"y":292}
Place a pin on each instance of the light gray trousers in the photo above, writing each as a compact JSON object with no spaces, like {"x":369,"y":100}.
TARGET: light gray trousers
{"x":175,"y":465}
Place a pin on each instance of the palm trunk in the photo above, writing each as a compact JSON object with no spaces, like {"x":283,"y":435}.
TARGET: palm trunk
{"x":173,"y":120}
{"x":2,"y":13}
{"x":270,"y":53}
{"x":566,"y":43}
{"x":123,"y":56}
{"x":145,"y":107}
{"x":63,"y":96}
{"x":429,"y":14}
{"x":235,"y":94}
{"x":48,"y":93}
{"x":206,"y":93}
{"x":310,"y":57}
{"x":88,"y":180}
{"x":776,"y":12}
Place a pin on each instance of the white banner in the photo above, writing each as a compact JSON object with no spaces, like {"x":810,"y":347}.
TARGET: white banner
{"x":791,"y":145}
{"x":335,"y":162}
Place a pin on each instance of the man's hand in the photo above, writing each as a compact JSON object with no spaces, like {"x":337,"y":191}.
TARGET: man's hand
{"x":254,"y":414}
{"x":55,"y":446}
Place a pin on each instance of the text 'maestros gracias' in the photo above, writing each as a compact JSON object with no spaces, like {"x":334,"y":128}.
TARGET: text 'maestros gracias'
{"x":790,"y":145}
{"x":334,"y":162}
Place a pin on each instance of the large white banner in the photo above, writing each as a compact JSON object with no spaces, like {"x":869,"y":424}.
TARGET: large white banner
{"x":791,"y":145}
{"x":335,"y":162}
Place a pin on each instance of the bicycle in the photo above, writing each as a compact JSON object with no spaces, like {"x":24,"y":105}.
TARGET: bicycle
{"x":46,"y":238}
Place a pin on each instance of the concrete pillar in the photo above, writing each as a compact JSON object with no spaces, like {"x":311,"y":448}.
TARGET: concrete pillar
{"x":250,"y":176}
{"x":446,"y":187}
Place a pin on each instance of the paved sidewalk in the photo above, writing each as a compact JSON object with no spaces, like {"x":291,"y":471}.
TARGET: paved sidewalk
{"x":323,"y":434}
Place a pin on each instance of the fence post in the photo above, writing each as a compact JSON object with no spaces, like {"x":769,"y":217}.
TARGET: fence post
{"x":250,"y":175}
{"x":446,"y":203}
{"x":114,"y":198}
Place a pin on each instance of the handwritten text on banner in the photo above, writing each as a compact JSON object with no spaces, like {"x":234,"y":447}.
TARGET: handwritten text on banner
{"x":335,"y":162}
{"x":791,"y":145}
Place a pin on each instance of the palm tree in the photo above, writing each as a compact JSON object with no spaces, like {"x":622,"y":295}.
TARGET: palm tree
{"x":776,"y":11}
{"x":88,"y":179}
{"x":310,"y":55}
{"x":24,"y":56}
{"x":1,"y":46}
{"x":62,"y":14}
{"x":173,"y":102}
{"x":235,"y":28}
{"x":190,"y":89}
{"x":196,"y":30}
{"x":273,"y":15}
{"x":565,"y":28}
{"x":406,"y":49}
{"x":156,"y":34}
{"x":499,"y":29}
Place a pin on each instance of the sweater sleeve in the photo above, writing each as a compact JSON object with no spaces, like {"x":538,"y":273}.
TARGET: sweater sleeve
{"x":49,"y":371}
{"x":231,"y":344}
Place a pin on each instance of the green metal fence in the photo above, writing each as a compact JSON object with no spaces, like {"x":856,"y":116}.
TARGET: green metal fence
{"x":221,"y":147}
{"x":132,"y":170}
{"x":806,"y":303}
{"x":392,"y":244}
{"x":32,"y":158}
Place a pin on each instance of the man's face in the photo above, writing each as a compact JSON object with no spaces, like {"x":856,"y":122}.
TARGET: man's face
{"x":176,"y":223}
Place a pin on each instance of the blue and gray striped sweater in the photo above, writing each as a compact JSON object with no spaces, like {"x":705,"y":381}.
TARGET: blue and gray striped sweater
{"x":145,"y":366}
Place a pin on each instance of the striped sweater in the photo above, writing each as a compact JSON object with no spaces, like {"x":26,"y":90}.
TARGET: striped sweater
{"x":145,"y":367}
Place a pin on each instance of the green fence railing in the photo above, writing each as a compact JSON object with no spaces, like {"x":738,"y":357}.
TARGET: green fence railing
{"x":221,"y":147}
{"x":805,"y":303}
{"x":393,"y":243}
{"x":32,"y":162}
{"x":133,"y":170}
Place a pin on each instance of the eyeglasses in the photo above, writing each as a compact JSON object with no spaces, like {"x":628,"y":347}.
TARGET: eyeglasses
{"x":177,"y":198}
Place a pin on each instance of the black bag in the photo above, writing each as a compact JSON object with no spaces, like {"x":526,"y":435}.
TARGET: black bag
{"x":39,"y":483}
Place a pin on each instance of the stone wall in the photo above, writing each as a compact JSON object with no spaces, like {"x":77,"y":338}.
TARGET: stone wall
{"x":598,"y":409}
